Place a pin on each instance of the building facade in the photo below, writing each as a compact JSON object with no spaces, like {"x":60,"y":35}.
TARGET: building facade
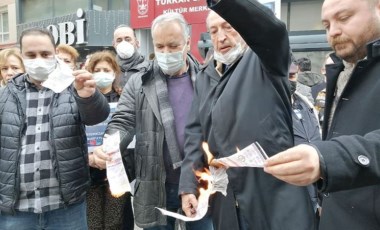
{"x":88,"y":25}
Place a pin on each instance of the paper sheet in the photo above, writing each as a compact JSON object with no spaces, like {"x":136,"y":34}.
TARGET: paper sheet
{"x":116,"y":175}
{"x":251,"y":156}
{"x":218,"y":183}
{"x":61,"y":78}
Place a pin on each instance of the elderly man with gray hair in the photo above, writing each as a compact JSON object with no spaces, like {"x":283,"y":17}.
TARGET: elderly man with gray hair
{"x":154,"y":106}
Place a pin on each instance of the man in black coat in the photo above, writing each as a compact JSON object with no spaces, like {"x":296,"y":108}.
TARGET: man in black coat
{"x":243,"y":96}
{"x":346,"y":165}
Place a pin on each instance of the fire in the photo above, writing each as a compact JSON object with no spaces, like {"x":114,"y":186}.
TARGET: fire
{"x":210,"y":158}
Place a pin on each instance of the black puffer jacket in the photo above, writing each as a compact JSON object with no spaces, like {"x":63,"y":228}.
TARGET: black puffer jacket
{"x":69,"y":113}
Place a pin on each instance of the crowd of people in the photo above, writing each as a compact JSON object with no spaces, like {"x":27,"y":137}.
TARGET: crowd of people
{"x":320,"y":131}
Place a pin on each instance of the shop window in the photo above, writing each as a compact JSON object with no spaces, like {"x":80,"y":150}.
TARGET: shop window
{"x":37,"y":10}
{"x":102,"y":5}
{"x":4,"y":27}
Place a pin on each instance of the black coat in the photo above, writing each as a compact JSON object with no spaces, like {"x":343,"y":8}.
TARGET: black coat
{"x":250,"y":102}
{"x":351,"y":156}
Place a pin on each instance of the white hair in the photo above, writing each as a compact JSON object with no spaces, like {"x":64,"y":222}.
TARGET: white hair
{"x":170,"y":17}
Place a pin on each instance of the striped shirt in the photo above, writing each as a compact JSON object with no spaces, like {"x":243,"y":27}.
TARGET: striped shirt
{"x":39,"y":187}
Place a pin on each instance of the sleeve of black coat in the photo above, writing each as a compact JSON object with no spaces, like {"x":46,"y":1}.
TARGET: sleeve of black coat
{"x":194,"y":159}
{"x":265,"y":34}
{"x":94,"y":109}
{"x":350,"y":161}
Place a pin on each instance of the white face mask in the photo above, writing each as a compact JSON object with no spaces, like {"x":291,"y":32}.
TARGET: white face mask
{"x":125,"y":50}
{"x":103,"y":80}
{"x":171,"y":63}
{"x":39,"y":68}
{"x":231,"y":56}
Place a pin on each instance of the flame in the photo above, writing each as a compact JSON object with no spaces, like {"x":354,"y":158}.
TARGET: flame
{"x":205,"y":180}
{"x":210,"y":158}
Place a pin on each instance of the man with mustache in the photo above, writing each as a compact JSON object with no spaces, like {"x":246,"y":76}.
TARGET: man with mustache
{"x":243,"y":96}
{"x":346,"y":166}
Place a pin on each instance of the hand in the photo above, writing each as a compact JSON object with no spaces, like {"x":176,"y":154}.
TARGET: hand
{"x":298,"y":165}
{"x":84,"y":83}
{"x":189,"y":204}
{"x":100,"y":158}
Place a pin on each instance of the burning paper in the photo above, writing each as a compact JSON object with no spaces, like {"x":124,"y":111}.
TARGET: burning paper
{"x":61,"y":78}
{"x":214,"y":178}
{"x":116,"y":175}
{"x":217,"y":178}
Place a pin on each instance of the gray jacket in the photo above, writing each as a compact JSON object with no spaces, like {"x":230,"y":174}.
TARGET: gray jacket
{"x":68,"y":117}
{"x":138,"y":113}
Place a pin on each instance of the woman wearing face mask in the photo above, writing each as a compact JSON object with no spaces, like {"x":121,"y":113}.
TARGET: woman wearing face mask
{"x":103,"y":210}
{"x":10,"y":65}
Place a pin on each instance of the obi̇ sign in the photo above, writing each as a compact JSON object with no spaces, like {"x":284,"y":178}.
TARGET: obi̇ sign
{"x":69,"y":32}
{"x":144,"y":11}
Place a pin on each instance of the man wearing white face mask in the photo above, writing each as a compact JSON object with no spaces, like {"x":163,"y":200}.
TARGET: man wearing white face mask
{"x":154,"y":105}
{"x":44,"y":173}
{"x":128,"y":57}
{"x":242,"y":97}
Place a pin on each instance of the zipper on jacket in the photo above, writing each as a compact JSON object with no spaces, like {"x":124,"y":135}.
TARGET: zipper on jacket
{"x":16,"y":191}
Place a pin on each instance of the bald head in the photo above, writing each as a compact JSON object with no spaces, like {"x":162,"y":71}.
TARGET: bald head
{"x":124,"y":33}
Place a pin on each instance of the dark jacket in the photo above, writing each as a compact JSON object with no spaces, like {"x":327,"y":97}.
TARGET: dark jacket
{"x":250,"y":102}
{"x":68,"y":117}
{"x":351,"y":156}
{"x":138,"y":113}
{"x":130,"y":66}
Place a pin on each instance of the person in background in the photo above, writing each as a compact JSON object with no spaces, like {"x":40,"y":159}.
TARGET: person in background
{"x":130,"y":62}
{"x":346,"y":165}
{"x":319,"y":103}
{"x":306,"y":127}
{"x":128,"y":57}
{"x":11,"y":64}
{"x":105,"y":211}
{"x":68,"y":55}
{"x":154,"y":105}
{"x":241,"y":97}
{"x":306,"y":77}
{"x":44,"y":172}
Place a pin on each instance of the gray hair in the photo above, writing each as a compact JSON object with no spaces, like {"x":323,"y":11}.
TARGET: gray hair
{"x":172,"y":17}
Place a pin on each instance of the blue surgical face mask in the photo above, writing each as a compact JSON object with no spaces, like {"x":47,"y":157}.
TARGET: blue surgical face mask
{"x":171,"y":63}
{"x":103,"y":80}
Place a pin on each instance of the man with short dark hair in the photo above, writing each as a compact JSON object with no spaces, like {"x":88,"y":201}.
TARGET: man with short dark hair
{"x":44,"y":173}
{"x":346,"y":166}
{"x":316,"y":82}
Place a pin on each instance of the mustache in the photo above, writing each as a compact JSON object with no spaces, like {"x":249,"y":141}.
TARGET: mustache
{"x":338,"y":40}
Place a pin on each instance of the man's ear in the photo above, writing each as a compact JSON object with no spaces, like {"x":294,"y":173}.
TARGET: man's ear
{"x":137,"y":44}
{"x":188,"y":44}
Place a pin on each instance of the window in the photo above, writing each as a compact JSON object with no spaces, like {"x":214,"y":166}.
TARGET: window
{"x":37,"y":10}
{"x":4,"y":26}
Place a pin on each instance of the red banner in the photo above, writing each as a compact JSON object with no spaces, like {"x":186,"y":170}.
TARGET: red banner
{"x":144,"y":11}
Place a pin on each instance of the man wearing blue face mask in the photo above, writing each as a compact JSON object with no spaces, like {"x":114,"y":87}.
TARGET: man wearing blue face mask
{"x":44,"y":173}
{"x":154,"y":105}
{"x":128,"y":57}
